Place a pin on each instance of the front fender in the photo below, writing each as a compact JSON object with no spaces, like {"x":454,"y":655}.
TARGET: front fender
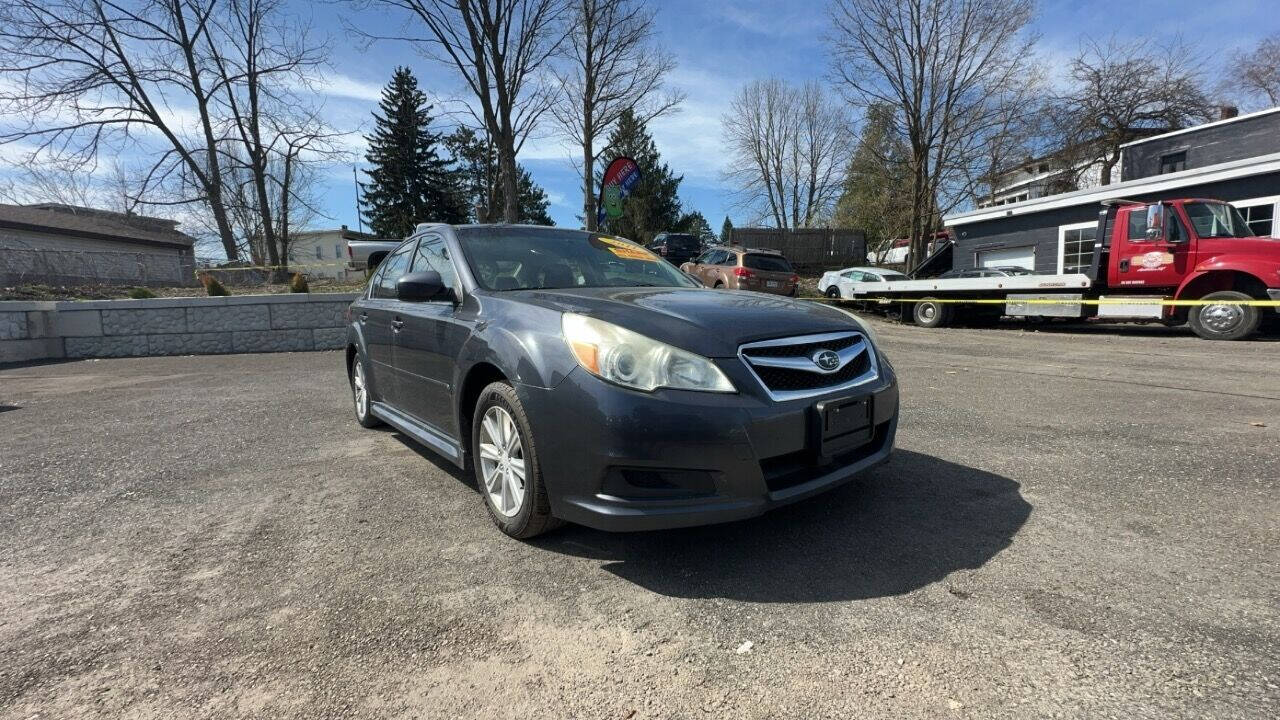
{"x":1264,"y":269}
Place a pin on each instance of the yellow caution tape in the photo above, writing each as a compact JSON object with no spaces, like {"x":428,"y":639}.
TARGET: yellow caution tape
{"x":1050,"y":301}
{"x":290,"y":266}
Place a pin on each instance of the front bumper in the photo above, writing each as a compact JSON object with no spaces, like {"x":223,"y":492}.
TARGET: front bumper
{"x":619,"y":460}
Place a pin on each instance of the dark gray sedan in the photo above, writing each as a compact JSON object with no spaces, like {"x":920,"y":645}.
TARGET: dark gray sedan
{"x":586,"y":380}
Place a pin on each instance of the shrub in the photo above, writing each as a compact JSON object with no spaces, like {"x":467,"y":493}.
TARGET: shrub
{"x":141,"y":293}
{"x":298,"y":283}
{"x":213,"y":287}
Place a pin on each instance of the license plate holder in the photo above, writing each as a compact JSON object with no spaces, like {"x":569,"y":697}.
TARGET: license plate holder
{"x":771,"y":283}
{"x":843,"y":424}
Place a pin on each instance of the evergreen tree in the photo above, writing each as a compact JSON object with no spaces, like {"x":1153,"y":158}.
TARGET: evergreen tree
{"x":533,"y":201}
{"x":654,"y":203}
{"x":726,"y":230}
{"x":695,"y":224}
{"x":408,"y":182}
{"x":876,"y":197}
{"x":480,"y":186}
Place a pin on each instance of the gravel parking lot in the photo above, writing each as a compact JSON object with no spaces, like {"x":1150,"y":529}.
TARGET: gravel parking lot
{"x":1077,"y":523}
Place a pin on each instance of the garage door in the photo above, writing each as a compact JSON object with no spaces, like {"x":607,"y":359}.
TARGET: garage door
{"x":1019,"y":256}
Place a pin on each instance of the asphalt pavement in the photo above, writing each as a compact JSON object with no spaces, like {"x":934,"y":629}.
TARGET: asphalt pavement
{"x":1077,"y":523}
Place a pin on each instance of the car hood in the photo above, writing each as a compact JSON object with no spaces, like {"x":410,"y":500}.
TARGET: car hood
{"x":712,"y":323}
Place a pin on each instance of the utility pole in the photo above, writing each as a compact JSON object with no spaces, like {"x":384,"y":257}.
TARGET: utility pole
{"x":355,"y":177}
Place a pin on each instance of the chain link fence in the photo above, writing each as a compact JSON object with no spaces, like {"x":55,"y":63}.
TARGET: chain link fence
{"x":26,"y":266}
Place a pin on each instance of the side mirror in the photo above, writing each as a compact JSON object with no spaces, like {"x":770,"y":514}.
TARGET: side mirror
{"x":422,"y":287}
{"x":1155,"y":221}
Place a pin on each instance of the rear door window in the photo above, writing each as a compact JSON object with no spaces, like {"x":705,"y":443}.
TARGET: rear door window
{"x":766,"y":263}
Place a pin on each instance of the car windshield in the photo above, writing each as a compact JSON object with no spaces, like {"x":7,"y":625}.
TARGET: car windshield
{"x":1217,"y":220}
{"x":507,"y":258}
{"x":766,"y":263}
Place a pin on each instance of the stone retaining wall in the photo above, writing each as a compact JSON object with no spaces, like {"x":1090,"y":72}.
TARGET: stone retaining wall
{"x":172,"y":326}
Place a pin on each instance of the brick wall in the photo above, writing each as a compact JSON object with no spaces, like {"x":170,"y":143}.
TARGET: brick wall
{"x":172,"y":326}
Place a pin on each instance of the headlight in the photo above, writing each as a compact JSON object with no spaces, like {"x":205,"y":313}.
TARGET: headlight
{"x":635,"y":361}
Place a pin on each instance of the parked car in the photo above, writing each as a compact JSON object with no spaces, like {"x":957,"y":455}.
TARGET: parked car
{"x":676,"y":248}
{"x":986,"y":272}
{"x":830,"y":283}
{"x":736,"y":268}
{"x":584,"y":379}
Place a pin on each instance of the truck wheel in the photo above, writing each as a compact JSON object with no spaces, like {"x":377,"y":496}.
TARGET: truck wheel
{"x":1224,"y":322}
{"x":833,"y":292}
{"x":930,"y":313}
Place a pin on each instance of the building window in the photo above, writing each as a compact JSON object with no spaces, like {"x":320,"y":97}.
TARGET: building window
{"x":1173,"y":162}
{"x":319,"y":253}
{"x":1259,"y":218}
{"x":1077,"y":248}
{"x":337,"y":251}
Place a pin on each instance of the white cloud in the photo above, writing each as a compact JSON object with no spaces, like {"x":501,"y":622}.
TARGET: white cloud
{"x":344,"y":86}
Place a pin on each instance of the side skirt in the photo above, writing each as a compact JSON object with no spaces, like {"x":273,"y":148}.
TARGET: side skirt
{"x":431,"y":438}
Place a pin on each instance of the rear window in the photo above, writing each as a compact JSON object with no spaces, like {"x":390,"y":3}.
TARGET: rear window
{"x":767,"y":263}
{"x":684,"y":242}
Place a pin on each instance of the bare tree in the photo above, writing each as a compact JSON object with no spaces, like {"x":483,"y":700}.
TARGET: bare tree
{"x":258,"y":57}
{"x":1256,"y":74}
{"x":944,"y":66}
{"x":85,"y":73}
{"x":613,"y":65}
{"x":1121,"y":88}
{"x":788,"y":148}
{"x":500,"y":48}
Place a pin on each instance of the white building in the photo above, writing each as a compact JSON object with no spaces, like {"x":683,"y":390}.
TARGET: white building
{"x":323,"y":253}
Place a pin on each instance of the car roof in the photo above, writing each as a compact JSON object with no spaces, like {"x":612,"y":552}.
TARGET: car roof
{"x":867,"y":268}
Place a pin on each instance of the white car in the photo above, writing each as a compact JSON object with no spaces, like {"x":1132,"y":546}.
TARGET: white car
{"x":849,"y":281}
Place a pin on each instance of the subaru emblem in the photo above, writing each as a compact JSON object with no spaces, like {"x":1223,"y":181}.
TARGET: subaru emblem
{"x":826,"y":360}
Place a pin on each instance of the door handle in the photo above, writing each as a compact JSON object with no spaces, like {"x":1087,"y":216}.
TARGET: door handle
{"x":1124,"y":266}
{"x":397,"y":324}
{"x":364,"y":317}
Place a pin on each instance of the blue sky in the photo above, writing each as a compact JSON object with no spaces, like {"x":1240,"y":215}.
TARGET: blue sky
{"x":719,"y":47}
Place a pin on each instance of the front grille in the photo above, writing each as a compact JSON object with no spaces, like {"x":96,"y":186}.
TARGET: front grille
{"x":786,"y":379}
{"x":785,"y":368}
{"x":799,"y":349}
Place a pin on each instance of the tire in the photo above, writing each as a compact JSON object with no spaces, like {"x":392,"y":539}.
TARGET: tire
{"x":719,"y":285}
{"x":833,"y":292}
{"x":530,"y":514}
{"x":360,"y":397}
{"x":930,"y":313}
{"x":1224,"y":322}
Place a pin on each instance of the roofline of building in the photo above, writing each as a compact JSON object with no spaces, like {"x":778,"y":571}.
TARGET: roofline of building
{"x":1157,"y":183}
{"x":185,"y":242}
{"x":1194,"y":128}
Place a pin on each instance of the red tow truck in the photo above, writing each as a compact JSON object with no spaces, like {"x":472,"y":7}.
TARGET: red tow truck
{"x":1147,"y":255}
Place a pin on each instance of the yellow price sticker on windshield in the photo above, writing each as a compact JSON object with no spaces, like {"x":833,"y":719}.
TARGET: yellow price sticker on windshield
{"x":628,"y":251}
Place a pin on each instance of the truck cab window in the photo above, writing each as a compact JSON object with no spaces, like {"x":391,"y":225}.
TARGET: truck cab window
{"x":1138,"y":223}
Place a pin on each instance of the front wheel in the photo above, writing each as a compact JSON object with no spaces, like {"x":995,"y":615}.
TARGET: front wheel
{"x":506,"y":465}
{"x":1224,"y":321}
{"x":833,"y":292}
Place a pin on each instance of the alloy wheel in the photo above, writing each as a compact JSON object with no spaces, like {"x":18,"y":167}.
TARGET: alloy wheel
{"x":359,"y":390}
{"x":502,"y":465}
